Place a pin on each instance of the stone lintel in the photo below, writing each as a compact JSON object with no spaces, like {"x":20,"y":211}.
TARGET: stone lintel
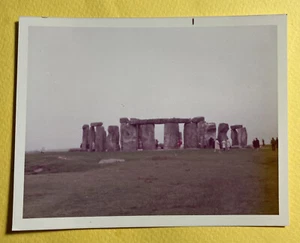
{"x":158,"y":121}
{"x":96,"y":124}
{"x":198,"y":119}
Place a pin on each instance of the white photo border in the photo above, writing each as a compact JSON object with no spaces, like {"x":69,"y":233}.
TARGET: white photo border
{"x":20,"y":224}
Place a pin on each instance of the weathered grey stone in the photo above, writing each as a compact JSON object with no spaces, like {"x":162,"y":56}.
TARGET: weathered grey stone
{"x":190,"y":135}
{"x":198,"y":119}
{"x":100,"y":139}
{"x":129,"y":137}
{"x":124,"y":120}
{"x":85,"y":135}
{"x":171,"y":135}
{"x":109,"y":161}
{"x":201,"y":126}
{"x":239,"y":135}
{"x":112,"y":139}
{"x":95,"y":124}
{"x":244,"y":137}
{"x":134,"y":121}
{"x":234,"y":137}
{"x":210,"y":132}
{"x":222,"y":132}
{"x":146,"y":136}
{"x":91,"y":139}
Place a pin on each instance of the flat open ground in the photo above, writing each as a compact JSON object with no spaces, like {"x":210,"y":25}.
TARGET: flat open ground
{"x":177,"y":182}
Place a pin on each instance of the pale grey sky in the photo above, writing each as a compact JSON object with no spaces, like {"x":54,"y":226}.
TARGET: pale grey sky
{"x":81,"y":75}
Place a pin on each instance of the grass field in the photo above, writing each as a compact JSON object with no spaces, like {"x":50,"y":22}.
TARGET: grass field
{"x":179,"y":182}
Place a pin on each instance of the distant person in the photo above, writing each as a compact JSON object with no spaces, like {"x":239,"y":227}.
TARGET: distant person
{"x":254,"y":144}
{"x":217,"y":146}
{"x":257,"y":143}
{"x":276,"y":143}
{"x":156,"y":143}
{"x":263,"y":142}
{"x":228,"y":144}
{"x":273,"y":144}
{"x":224,"y":145}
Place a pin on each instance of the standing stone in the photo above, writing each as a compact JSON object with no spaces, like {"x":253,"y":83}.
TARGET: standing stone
{"x":190,"y":135}
{"x":171,"y":135}
{"x":146,"y":136}
{"x":112,"y":139}
{"x":92,"y":135}
{"x":222,"y":132}
{"x":210,"y":132}
{"x":236,"y":135}
{"x":201,"y":133}
{"x":85,"y":135}
{"x":129,"y":137}
{"x":100,"y":139}
{"x":244,"y":137}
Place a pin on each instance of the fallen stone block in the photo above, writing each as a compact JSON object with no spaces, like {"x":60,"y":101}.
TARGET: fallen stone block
{"x":109,"y":161}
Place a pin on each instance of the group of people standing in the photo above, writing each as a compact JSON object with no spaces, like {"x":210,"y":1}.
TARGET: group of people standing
{"x":224,"y":145}
{"x":256,"y":143}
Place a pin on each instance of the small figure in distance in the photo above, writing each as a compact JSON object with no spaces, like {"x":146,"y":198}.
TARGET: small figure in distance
{"x":224,"y":145}
{"x":254,"y":144}
{"x":156,"y":143}
{"x":217,"y":146}
{"x":263,"y":142}
{"x":273,"y":143}
{"x":276,"y":143}
{"x":257,"y":143}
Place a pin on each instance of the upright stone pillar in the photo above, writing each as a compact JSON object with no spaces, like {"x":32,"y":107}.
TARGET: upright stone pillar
{"x":129,"y":137}
{"x":171,"y":135}
{"x":201,"y":134}
{"x":85,"y":135}
{"x":146,"y":136}
{"x":100,"y":138}
{"x":190,"y":135}
{"x":222,"y":132}
{"x":244,"y":137}
{"x":112,"y":139}
{"x":236,"y":135}
{"x":92,"y":135}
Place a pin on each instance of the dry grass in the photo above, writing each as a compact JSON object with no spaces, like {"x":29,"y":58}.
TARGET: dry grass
{"x":151,"y":183}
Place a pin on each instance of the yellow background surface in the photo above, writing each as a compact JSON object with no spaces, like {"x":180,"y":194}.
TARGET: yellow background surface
{"x":10,"y":10}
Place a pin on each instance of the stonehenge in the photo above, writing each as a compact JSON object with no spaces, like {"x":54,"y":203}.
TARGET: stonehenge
{"x":139,"y":134}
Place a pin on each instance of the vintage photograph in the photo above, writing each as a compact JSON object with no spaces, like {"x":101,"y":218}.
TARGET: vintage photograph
{"x":152,"y":121}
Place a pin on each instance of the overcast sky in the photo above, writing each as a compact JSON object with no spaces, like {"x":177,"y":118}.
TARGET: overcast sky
{"x":81,"y":75}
